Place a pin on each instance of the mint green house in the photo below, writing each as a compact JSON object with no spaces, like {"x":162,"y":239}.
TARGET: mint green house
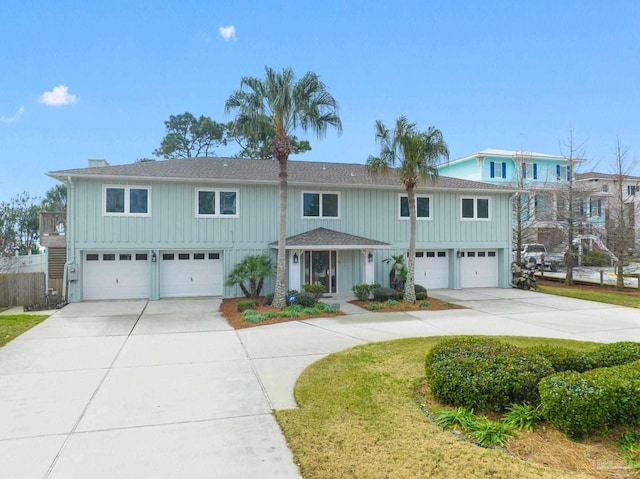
{"x":175,"y":228}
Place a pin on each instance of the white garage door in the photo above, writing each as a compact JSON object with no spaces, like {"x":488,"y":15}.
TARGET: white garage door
{"x":432,"y":269}
{"x":184,"y":273}
{"x":115,"y":275}
{"x":479,"y":269}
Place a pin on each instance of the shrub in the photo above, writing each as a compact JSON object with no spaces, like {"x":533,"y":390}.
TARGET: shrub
{"x":562,"y":359}
{"x":420,"y":289}
{"x":323,"y":308}
{"x":459,"y":417}
{"x":424,"y":304}
{"x":305,"y":299}
{"x":268,"y":299}
{"x":483,"y":373}
{"x":614,"y":354}
{"x":595,"y":258}
{"x":374,"y":306}
{"x":580,"y":404}
{"x":385,"y":294}
{"x":363,"y":291}
{"x":244,"y":305}
{"x":249,"y":312}
{"x":290,"y":312}
{"x":316,"y":289}
{"x":491,"y":433}
{"x":392,"y":302}
{"x":421,"y":296}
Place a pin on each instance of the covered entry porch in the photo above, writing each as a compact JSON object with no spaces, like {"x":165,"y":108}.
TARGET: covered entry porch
{"x":334,"y":259}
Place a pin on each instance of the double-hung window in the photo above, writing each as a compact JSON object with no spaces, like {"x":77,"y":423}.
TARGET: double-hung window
{"x":220,"y":203}
{"x":631,"y":190}
{"x":530,"y":171}
{"x":126,"y":201}
{"x":320,"y":205}
{"x":498,"y":169}
{"x":563,"y":173}
{"x":423,"y":207}
{"x":475,"y":209}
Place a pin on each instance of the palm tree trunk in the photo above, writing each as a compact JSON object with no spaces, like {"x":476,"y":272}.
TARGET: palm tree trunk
{"x":410,"y":289}
{"x":280,"y":293}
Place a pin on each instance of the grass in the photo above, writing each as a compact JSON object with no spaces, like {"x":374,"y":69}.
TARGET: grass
{"x":12,"y":326}
{"x":371,"y":425}
{"x":629,"y":298}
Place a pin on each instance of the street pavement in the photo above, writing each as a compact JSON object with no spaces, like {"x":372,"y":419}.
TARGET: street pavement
{"x":167,"y":389}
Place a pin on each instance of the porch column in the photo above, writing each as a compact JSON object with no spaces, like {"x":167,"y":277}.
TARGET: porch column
{"x":369,"y":269}
{"x":295,"y":276}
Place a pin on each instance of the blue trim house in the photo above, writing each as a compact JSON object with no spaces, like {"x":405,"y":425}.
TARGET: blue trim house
{"x":175,"y":228}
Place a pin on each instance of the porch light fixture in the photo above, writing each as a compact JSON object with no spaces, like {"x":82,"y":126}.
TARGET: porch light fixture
{"x":295,"y":258}
{"x":154,"y":257}
{"x":370,"y":257}
{"x":459,"y":254}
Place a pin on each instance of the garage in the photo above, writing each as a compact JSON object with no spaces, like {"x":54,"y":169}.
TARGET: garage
{"x":115,"y":275}
{"x":188,"y":274}
{"x":432,"y":269}
{"x":479,"y":269}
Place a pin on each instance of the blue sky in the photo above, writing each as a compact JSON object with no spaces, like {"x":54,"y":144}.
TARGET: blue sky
{"x":87,"y":80}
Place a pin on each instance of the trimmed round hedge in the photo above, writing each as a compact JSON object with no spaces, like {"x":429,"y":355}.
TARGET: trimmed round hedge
{"x":484,"y":374}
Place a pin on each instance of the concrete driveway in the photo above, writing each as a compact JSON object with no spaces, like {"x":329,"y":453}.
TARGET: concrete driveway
{"x":167,"y":389}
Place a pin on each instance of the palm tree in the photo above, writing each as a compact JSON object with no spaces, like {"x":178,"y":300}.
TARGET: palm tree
{"x":414,"y":154}
{"x":252,"y":269}
{"x":284,"y":104}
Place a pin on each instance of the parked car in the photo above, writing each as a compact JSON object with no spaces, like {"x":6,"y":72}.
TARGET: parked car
{"x":536,"y":256}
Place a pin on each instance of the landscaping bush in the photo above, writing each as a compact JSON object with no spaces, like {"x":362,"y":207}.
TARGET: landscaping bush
{"x":421,"y":296}
{"x":420,"y":289}
{"x":580,"y":404}
{"x":305,"y":299}
{"x":595,"y":258}
{"x":484,"y":374}
{"x":244,"y":305}
{"x":613,"y":354}
{"x":316,"y":289}
{"x":563,"y":359}
{"x":385,"y":294}
{"x":363,"y":291}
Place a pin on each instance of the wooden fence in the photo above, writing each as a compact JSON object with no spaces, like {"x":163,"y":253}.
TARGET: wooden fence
{"x":19,"y":289}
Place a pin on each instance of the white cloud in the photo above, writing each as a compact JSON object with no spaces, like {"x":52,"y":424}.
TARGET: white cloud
{"x":11,"y":119}
{"x":59,"y":96}
{"x":228,"y":33}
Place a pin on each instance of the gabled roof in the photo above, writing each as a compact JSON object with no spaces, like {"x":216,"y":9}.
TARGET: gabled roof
{"x":320,"y":238}
{"x":242,"y":171}
{"x":510,"y":154}
{"x":593,"y":175}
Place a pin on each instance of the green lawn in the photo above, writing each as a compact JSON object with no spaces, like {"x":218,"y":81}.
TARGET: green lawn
{"x":606,"y":295}
{"x":359,"y":417}
{"x":12,"y":326}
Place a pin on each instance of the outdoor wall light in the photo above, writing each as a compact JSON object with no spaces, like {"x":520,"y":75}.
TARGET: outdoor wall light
{"x":154,"y":257}
{"x":459,"y":254}
{"x":370,"y":257}
{"x":295,"y":258}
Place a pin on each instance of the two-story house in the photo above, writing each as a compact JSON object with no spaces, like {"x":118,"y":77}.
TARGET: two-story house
{"x":177,"y":227}
{"x":543,"y":181}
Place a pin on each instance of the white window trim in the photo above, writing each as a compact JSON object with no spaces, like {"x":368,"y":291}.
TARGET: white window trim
{"x":497,"y":170}
{"x":217,"y":192}
{"x":475,"y":207}
{"x":528,"y":167}
{"x":321,"y":216}
{"x":127,"y":199}
{"x":419,"y":218}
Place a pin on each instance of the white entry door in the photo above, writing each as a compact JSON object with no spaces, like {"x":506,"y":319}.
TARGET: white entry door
{"x":432,"y":269}
{"x":188,"y":273}
{"x":479,"y":269}
{"x":115,"y":275}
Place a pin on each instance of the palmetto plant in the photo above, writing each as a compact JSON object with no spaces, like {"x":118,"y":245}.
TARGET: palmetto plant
{"x":252,"y":270}
{"x":413,"y":154}
{"x":284,"y":104}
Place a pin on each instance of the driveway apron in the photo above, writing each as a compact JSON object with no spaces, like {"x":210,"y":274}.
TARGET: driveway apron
{"x":166,"y":389}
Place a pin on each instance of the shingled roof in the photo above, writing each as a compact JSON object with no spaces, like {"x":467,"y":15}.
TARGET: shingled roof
{"x":324,"y":237}
{"x":237,"y":170}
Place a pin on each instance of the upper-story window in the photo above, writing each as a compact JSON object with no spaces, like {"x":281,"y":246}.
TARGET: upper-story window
{"x":423,"y":207}
{"x":216,"y":203}
{"x":320,"y":205}
{"x":563,"y":173}
{"x":127,"y":200}
{"x":530,"y":171}
{"x":631,"y":189}
{"x":596,"y":208}
{"x":498,"y":169}
{"x":605,"y":188}
{"x":475,"y":209}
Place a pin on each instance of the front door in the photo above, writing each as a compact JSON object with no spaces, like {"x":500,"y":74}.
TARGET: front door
{"x":320,"y":267}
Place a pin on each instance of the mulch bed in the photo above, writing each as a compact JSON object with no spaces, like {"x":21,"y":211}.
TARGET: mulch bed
{"x":229,"y":309}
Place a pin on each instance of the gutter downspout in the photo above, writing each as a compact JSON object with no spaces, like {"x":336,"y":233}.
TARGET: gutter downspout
{"x":511,"y":198}
{"x":69,"y":233}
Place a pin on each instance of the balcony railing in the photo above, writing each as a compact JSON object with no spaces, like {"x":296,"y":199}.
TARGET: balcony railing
{"x":53,"y":229}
